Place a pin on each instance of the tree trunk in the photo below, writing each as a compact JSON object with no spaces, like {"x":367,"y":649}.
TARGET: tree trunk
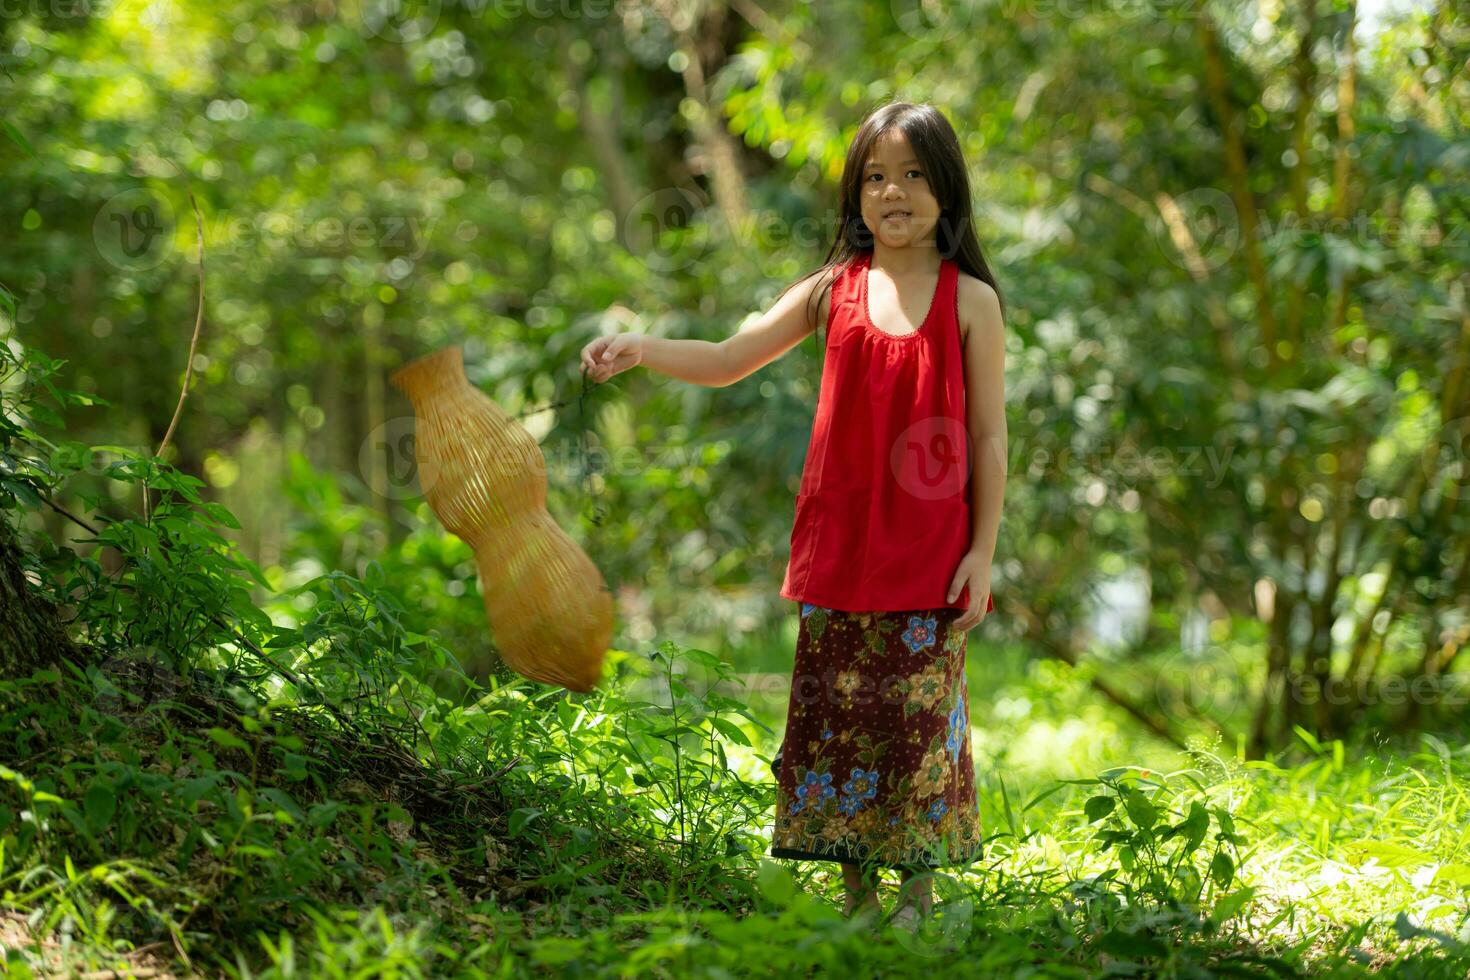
{"x":603,"y":134}
{"x":1277,"y":689}
{"x":30,"y":637}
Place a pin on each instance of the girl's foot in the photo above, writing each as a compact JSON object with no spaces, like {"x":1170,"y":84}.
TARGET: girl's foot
{"x":915,"y":896}
{"x":905,"y":917}
{"x":855,"y":904}
{"x":862,"y":891}
{"x":909,"y":916}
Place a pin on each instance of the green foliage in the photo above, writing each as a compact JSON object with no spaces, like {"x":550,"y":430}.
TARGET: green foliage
{"x":1158,"y":843}
{"x":1158,"y":836}
{"x":30,"y":463}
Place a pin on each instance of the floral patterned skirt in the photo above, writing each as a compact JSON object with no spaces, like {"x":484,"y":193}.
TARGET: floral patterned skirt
{"x":875,"y":768}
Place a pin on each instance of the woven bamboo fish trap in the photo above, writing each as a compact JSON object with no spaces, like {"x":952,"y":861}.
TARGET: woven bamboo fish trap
{"x":484,"y":477}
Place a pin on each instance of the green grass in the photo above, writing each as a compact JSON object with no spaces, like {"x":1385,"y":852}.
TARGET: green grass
{"x":259,"y":839}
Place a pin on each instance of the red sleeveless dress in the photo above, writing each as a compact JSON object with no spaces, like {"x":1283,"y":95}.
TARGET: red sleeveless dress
{"x":883,"y":513}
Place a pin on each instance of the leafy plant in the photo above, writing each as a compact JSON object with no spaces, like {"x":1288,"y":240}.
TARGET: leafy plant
{"x":1170,"y":848}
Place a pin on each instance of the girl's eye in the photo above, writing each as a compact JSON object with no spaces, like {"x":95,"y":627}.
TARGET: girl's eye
{"x":919,"y":172}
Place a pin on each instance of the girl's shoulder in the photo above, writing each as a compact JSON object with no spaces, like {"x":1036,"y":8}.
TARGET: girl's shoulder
{"x":976,"y":303}
{"x":834,"y":281}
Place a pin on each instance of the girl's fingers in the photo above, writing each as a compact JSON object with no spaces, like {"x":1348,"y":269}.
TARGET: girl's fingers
{"x":606,"y":356}
{"x":971,"y":617}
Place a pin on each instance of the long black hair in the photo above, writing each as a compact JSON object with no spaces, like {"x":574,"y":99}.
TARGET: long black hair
{"x":938,"y":150}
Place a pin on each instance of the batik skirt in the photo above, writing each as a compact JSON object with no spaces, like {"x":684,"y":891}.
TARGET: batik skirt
{"x":875,"y":768}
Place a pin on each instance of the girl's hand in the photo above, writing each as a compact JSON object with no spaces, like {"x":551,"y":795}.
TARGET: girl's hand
{"x":974,"y":570}
{"x":610,"y":355}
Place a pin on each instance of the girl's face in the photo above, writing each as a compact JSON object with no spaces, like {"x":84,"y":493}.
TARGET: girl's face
{"x":896,"y":201}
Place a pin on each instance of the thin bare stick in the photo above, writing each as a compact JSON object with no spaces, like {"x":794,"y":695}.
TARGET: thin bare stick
{"x":193,"y":346}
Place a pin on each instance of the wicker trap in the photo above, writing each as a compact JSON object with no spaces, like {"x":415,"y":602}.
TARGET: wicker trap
{"x":484,"y":477}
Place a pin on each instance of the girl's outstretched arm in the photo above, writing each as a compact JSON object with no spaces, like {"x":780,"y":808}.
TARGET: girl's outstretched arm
{"x":706,"y":362}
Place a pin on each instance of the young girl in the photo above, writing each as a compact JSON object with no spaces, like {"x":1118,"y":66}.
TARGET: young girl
{"x":895,"y":523}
